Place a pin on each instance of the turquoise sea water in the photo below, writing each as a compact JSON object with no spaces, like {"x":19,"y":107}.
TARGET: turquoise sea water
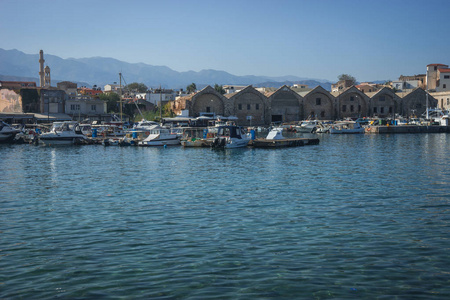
{"x":359,"y":216}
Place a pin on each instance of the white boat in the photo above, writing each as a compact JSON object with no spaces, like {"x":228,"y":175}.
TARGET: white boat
{"x":438,"y":116}
{"x":275,"y":139}
{"x":160,"y":136}
{"x":322,"y":128}
{"x":145,"y":125}
{"x":63,"y":133}
{"x":346,"y":127}
{"x":108,"y":130}
{"x":230,"y":136}
{"x":308,"y":126}
{"x":123,"y":141}
{"x":86,"y":129}
{"x":7,"y":132}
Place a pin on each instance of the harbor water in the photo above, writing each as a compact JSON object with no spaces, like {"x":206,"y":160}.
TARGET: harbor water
{"x":357,"y":216}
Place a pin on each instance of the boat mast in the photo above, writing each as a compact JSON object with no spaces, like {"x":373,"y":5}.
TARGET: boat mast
{"x":160,"y":104}
{"x":427,"y":96}
{"x":120,"y":96}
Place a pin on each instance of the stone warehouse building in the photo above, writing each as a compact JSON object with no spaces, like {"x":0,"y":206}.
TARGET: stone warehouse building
{"x":252,"y":107}
{"x":249,"y":106}
{"x":319,"y":104}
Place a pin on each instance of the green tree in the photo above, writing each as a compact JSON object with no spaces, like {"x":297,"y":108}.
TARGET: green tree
{"x":219,"y":89}
{"x":191,"y":88}
{"x":136,"y":87}
{"x":167,"y":111}
{"x":113,"y":101}
{"x":347,"y":77}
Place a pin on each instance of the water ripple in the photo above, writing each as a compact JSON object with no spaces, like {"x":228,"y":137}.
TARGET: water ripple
{"x":354,"y":217}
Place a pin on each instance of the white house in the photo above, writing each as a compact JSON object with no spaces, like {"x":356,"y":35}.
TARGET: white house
{"x":85,"y":106}
{"x":112,"y":88}
{"x":444,"y":80}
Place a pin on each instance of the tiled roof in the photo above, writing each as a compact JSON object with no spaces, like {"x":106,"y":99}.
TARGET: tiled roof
{"x":437,"y":65}
{"x":444,"y":70}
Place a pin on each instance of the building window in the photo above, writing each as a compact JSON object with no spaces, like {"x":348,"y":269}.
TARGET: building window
{"x":318,"y":100}
{"x":352,"y":98}
{"x":322,"y":114}
{"x":352,"y":109}
{"x":448,"y":101}
{"x":359,"y":108}
{"x":344,"y":108}
{"x":240,"y":106}
{"x":374,"y":110}
{"x":93,"y":107}
{"x":382,"y":98}
{"x":382,"y":110}
{"x":248,"y":106}
{"x":257,"y":106}
{"x":390,"y":109}
{"x":208,"y":109}
{"x":444,"y":86}
{"x":74,"y":106}
{"x":446,"y":76}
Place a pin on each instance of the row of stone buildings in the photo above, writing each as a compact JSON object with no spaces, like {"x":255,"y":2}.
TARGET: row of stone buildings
{"x":252,"y":107}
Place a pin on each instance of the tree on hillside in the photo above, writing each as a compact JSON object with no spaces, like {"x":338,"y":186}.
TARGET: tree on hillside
{"x":191,"y":88}
{"x":219,"y":89}
{"x":136,"y":87}
{"x":347,"y":77}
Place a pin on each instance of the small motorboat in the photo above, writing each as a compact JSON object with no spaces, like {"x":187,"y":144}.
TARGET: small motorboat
{"x":308,"y":126}
{"x":275,"y":139}
{"x":230,"y":136}
{"x":346,"y":127}
{"x":63,"y":133}
{"x":160,"y":136}
{"x":7,"y":132}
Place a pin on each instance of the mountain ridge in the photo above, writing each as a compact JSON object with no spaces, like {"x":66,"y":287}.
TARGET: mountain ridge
{"x":105,"y":70}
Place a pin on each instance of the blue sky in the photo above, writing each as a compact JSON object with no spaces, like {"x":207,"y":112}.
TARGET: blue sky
{"x":371,"y":40}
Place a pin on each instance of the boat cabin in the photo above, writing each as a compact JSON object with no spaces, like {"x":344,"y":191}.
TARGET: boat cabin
{"x":230,"y":131}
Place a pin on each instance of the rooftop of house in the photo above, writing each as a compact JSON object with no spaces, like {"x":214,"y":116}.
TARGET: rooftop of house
{"x":437,"y":65}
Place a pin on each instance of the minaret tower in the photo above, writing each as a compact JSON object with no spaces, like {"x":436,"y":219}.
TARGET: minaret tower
{"x":47,"y":76}
{"x":41,"y":68}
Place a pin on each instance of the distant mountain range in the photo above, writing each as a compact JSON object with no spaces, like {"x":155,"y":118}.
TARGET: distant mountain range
{"x":16,"y":65}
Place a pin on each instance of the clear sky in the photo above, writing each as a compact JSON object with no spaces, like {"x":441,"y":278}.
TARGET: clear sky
{"x":370,"y":40}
